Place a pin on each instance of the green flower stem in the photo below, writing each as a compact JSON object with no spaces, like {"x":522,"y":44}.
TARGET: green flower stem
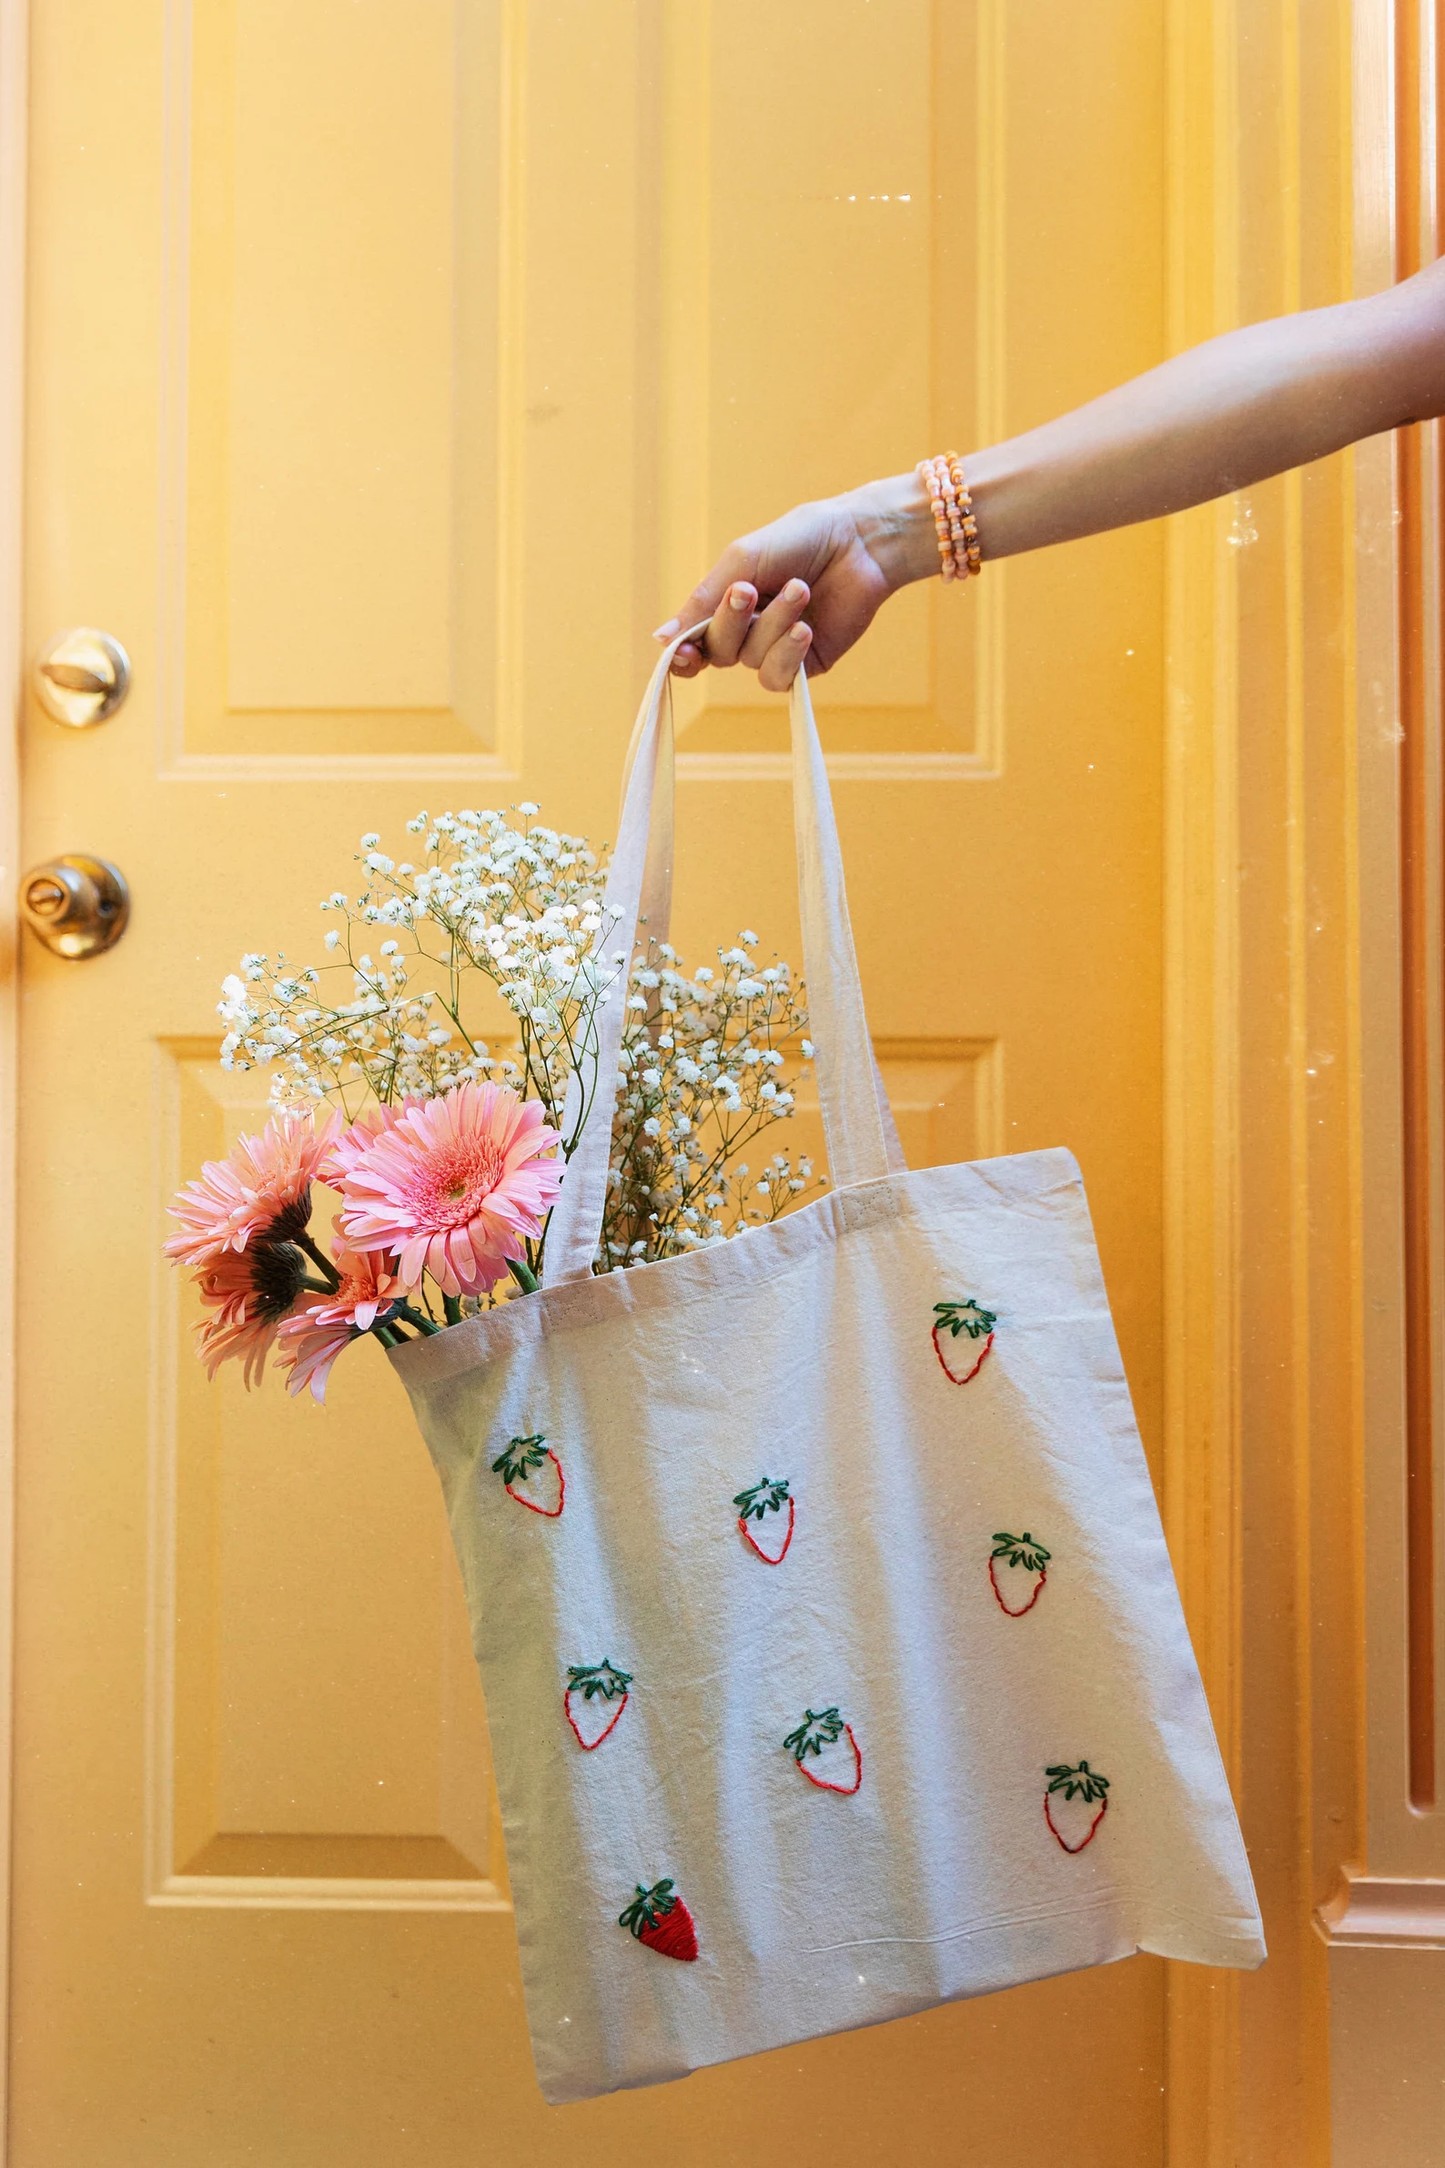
{"x":319,"y":1287}
{"x":414,"y":1317}
{"x":389,"y":1335}
{"x":452,"y":1304}
{"x":329,"y":1271}
{"x":524,"y":1276}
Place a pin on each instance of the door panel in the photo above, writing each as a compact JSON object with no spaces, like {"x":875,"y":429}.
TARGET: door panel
{"x":394,"y":370}
{"x":316,"y":1715}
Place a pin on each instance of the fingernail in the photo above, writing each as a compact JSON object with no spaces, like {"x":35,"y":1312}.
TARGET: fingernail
{"x":801,"y":634}
{"x":740,"y":598}
{"x":666,"y":632}
{"x":793,"y":589}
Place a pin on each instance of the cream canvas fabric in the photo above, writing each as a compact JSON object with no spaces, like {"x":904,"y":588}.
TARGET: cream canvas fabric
{"x":1006,"y":1768}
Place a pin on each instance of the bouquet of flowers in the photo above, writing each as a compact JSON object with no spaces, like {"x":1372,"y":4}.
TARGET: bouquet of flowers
{"x":447,"y":1156}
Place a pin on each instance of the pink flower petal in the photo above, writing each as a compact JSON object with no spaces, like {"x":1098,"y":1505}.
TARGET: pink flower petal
{"x":454,"y":1185}
{"x":237,"y":1198}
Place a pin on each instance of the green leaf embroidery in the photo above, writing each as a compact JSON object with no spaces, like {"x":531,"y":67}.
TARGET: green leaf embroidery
{"x":1077,"y":1783}
{"x":967,"y":1316}
{"x":1024,"y":1550}
{"x":819,"y":1728}
{"x":765,"y":1497}
{"x":518,"y":1459}
{"x":648,"y":1906}
{"x":604,"y":1679}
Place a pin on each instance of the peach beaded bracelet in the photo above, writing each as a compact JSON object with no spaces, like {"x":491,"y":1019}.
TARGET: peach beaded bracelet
{"x":952,"y":508}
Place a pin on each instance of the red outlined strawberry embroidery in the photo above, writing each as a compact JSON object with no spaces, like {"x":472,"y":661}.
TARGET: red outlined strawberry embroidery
{"x":524,"y":1458}
{"x":755,"y":1505}
{"x":836,"y":1767}
{"x":659,"y":1918}
{"x":1075,"y":1804}
{"x":958,"y":1329}
{"x":1018,"y":1592}
{"x":591,"y":1691}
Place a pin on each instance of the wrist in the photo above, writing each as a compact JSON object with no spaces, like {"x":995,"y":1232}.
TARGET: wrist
{"x":895,"y":526}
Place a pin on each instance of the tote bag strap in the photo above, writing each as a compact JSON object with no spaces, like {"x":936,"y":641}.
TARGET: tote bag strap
{"x":861,"y":1139}
{"x":858,"y":1126}
{"x":828,"y":924}
{"x":654,"y":912}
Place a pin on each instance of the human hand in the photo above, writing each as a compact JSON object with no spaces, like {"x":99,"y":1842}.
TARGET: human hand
{"x":808,"y":584}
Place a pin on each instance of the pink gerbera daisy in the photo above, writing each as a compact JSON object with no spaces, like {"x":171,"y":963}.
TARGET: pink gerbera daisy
{"x":249,"y":1292}
{"x":455,"y":1186}
{"x":346,"y":1149}
{"x":263,"y":1180}
{"x":313,"y":1336}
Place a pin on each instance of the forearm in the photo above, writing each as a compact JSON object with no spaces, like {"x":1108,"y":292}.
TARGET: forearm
{"x":1212,"y":420}
{"x":1219,"y":418}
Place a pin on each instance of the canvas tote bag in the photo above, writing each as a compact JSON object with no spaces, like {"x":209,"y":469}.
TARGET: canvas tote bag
{"x":846,"y":1524}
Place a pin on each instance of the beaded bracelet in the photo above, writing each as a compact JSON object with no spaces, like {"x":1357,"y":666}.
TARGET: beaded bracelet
{"x":938,"y":481}
{"x":973,"y":556}
{"x":952,"y":507}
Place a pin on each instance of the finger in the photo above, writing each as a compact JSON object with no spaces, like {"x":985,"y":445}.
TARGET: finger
{"x":781,"y":614}
{"x":688,"y":661}
{"x":728,"y":626}
{"x":707,"y":595}
{"x":784,"y":659}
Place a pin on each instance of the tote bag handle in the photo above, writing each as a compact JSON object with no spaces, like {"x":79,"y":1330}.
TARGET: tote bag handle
{"x":858,"y":1127}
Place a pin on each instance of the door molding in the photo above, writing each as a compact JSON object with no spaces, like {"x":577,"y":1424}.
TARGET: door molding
{"x":1201,"y":1052}
{"x":1402,"y":502}
{"x":1264,"y":1121}
{"x":13,"y":114}
{"x":1385,"y":1912}
{"x":1383,"y":1926}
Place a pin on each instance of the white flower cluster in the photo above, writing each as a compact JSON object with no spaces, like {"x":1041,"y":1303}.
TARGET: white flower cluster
{"x":512,"y":916}
{"x":703,"y":1072}
{"x":514,"y":908}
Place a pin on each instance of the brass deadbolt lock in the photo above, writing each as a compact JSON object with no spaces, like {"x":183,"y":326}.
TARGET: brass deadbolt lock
{"x":82,"y":677}
{"x":76,"y":905}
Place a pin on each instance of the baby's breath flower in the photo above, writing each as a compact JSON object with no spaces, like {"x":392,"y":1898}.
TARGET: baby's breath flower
{"x":508,"y":919}
{"x":696,"y":1083}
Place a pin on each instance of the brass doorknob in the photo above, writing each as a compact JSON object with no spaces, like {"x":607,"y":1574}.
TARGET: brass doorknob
{"x":76,"y":905}
{"x":82,"y":677}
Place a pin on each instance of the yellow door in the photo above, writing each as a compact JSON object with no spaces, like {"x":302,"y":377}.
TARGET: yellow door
{"x":393,"y":369}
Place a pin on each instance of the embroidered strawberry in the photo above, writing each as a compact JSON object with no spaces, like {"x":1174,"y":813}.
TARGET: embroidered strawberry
{"x":755,"y":1505}
{"x":1075,"y":1804}
{"x":528,"y":1457}
{"x":836,"y":1767}
{"x":1018,"y":1592}
{"x":591,"y":1691}
{"x":959,"y":1328}
{"x":658,"y":1917}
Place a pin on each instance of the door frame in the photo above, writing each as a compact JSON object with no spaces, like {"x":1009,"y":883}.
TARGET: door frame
{"x":14,"y":87}
{"x":1383,"y":1925}
{"x":1277,"y":1115}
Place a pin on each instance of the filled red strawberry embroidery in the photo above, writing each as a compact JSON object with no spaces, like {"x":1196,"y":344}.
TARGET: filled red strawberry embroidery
{"x":962,"y":1337}
{"x":659,"y":1918}
{"x":837,"y":1767}
{"x":1025,"y":1570}
{"x":521,"y":1461}
{"x":592,"y":1689}
{"x":1075,"y":1803}
{"x":755,"y":1505}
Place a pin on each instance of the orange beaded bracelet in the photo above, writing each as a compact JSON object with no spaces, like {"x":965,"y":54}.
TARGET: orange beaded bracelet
{"x":973,"y":557}
{"x":937,"y":480}
{"x":952,"y":508}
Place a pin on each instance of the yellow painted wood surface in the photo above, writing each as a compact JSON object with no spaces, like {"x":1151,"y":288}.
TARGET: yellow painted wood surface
{"x":393,"y":371}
